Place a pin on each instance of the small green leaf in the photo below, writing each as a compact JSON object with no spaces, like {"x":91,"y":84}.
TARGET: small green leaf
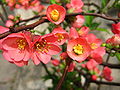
{"x":102,"y":29}
{"x":103,"y":2}
{"x":118,"y":56}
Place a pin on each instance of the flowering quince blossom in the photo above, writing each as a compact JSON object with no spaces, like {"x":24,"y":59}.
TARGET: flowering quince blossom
{"x":61,"y":35}
{"x":75,"y":5}
{"x":9,"y":23}
{"x":107,"y":74}
{"x":79,"y":21}
{"x":55,"y":62}
{"x":73,"y":33}
{"x":63,"y":55}
{"x":78,"y":49}
{"x":43,"y":47}
{"x":56,"y":13}
{"x":83,"y":31}
{"x":91,"y":64}
{"x":2,"y":30}
{"x":114,"y":40}
{"x":71,"y":67}
{"x":116,"y":28}
{"x":16,"y":48}
{"x":97,"y":51}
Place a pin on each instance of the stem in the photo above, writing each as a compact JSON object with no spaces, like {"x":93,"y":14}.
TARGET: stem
{"x":2,"y":18}
{"x":107,"y":83}
{"x":21,"y":28}
{"x":4,"y":10}
{"x":63,"y":75}
{"x":108,"y":57}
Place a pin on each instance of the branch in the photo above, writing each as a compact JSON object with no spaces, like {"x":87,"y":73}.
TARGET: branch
{"x":63,"y":75}
{"x":115,"y":66}
{"x":21,"y":28}
{"x":107,"y":83}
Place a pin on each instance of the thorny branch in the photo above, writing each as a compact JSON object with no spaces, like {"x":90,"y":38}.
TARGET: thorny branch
{"x":26,"y":27}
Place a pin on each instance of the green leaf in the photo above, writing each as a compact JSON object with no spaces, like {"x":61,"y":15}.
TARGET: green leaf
{"x":89,"y":19}
{"x":52,"y":1}
{"x":103,"y":2}
{"x":94,"y":26}
{"x":102,"y":29}
{"x":118,"y":56}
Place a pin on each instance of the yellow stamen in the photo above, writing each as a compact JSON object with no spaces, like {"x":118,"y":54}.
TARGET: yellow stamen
{"x":78,"y":49}
{"x":60,"y":36}
{"x":93,"y":45}
{"x":41,"y":47}
{"x":80,"y":32}
{"x":21,"y":44}
{"x":55,"y":15}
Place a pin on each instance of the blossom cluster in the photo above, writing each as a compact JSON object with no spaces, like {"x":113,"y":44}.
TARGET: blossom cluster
{"x":35,"y":5}
{"x":83,"y":47}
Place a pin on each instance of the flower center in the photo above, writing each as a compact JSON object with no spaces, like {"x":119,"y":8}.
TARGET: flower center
{"x":60,"y":36}
{"x":42,"y":46}
{"x":78,"y":49}
{"x":21,"y":44}
{"x":93,"y":45}
{"x":55,"y":15}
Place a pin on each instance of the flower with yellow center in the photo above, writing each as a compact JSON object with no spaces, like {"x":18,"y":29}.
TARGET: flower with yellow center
{"x":60,"y":36}
{"x":78,"y":49}
{"x":21,"y":44}
{"x":93,"y":45}
{"x":55,"y":15}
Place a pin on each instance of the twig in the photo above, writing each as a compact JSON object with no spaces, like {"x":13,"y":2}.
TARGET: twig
{"x":63,"y":75}
{"x":4,"y":10}
{"x":107,"y":83}
{"x":2,"y":18}
{"x":21,"y":28}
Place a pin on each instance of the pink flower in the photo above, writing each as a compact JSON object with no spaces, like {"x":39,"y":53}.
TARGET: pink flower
{"x":97,"y":54}
{"x":83,"y":31}
{"x":43,"y":47}
{"x":77,"y":5}
{"x":9,"y":23}
{"x":78,"y":22}
{"x":116,"y":28}
{"x":107,"y":74}
{"x":73,"y":33}
{"x":93,"y":41}
{"x":11,"y":17}
{"x":63,"y":55}
{"x":78,"y":49}
{"x":94,"y":77}
{"x":71,"y":67}
{"x":55,"y":62}
{"x":115,"y":40}
{"x":2,"y":30}
{"x":61,"y":35}
{"x":56,"y":13}
{"x":91,"y":64}
{"x":16,"y":48}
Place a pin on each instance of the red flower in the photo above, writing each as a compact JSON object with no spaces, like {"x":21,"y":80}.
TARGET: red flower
{"x":91,"y":64}
{"x":78,"y":22}
{"x":115,"y":40}
{"x":16,"y":48}
{"x":71,"y":67}
{"x":55,"y":62}
{"x":107,"y":74}
{"x":83,"y":31}
{"x":43,"y":48}
{"x":116,"y":28}
{"x":78,"y":49}
{"x":56,"y":13}
{"x":61,"y":35}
